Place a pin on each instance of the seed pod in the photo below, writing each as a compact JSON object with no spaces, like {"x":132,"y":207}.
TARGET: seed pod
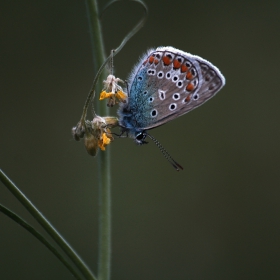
{"x":91,"y":144}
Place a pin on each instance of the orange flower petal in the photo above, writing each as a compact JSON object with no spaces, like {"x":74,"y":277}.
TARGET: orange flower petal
{"x":102,"y":143}
{"x":106,"y":140}
{"x":121,"y":95}
{"x":105,"y":94}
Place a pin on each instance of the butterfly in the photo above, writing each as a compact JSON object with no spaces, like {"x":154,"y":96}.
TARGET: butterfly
{"x":165,"y":84}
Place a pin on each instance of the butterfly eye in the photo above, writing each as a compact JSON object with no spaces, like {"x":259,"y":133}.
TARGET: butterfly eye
{"x":160,"y":74}
{"x":176,"y":96}
{"x":172,"y":106}
{"x":140,"y":137}
{"x":195,"y":96}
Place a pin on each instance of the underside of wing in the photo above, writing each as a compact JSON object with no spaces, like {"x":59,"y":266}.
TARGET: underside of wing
{"x":169,"y":83}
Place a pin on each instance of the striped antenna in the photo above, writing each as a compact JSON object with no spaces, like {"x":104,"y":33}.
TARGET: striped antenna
{"x":175,"y":164}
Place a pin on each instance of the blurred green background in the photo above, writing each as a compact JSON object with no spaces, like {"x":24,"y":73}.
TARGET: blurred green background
{"x":217,"y":219}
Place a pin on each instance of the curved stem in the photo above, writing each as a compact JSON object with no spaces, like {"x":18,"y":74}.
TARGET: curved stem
{"x":47,"y":226}
{"x":40,"y":237}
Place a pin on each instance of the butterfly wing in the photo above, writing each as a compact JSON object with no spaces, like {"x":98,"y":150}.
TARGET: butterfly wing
{"x":168,"y":83}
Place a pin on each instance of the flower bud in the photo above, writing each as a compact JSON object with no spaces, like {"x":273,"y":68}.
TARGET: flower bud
{"x":91,"y":144}
{"x":78,"y":131}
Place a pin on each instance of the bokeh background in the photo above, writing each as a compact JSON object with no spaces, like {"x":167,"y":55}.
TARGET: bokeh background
{"x":217,"y":219}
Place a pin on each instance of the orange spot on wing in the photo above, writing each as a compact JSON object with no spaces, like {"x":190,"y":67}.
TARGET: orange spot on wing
{"x":188,"y":98}
{"x":190,"y":87}
{"x":151,"y":59}
{"x":156,"y":61}
{"x":184,"y":68}
{"x":166,"y":60}
{"x":176,"y":64}
{"x":189,"y":75}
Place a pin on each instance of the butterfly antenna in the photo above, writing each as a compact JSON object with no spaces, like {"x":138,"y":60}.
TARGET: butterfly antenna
{"x":175,"y":164}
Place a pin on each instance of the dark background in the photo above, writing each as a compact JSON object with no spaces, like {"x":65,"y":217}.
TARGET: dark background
{"x":217,"y":219}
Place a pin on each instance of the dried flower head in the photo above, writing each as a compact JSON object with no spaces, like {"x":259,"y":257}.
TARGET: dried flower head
{"x":98,"y":134}
{"x":112,"y":91}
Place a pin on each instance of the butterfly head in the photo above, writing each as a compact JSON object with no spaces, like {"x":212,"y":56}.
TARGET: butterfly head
{"x":140,"y":137}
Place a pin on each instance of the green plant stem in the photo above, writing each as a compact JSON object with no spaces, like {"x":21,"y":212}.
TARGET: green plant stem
{"x":47,"y":226}
{"x":104,"y":259}
{"x":104,"y":166}
{"x":40,"y":237}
